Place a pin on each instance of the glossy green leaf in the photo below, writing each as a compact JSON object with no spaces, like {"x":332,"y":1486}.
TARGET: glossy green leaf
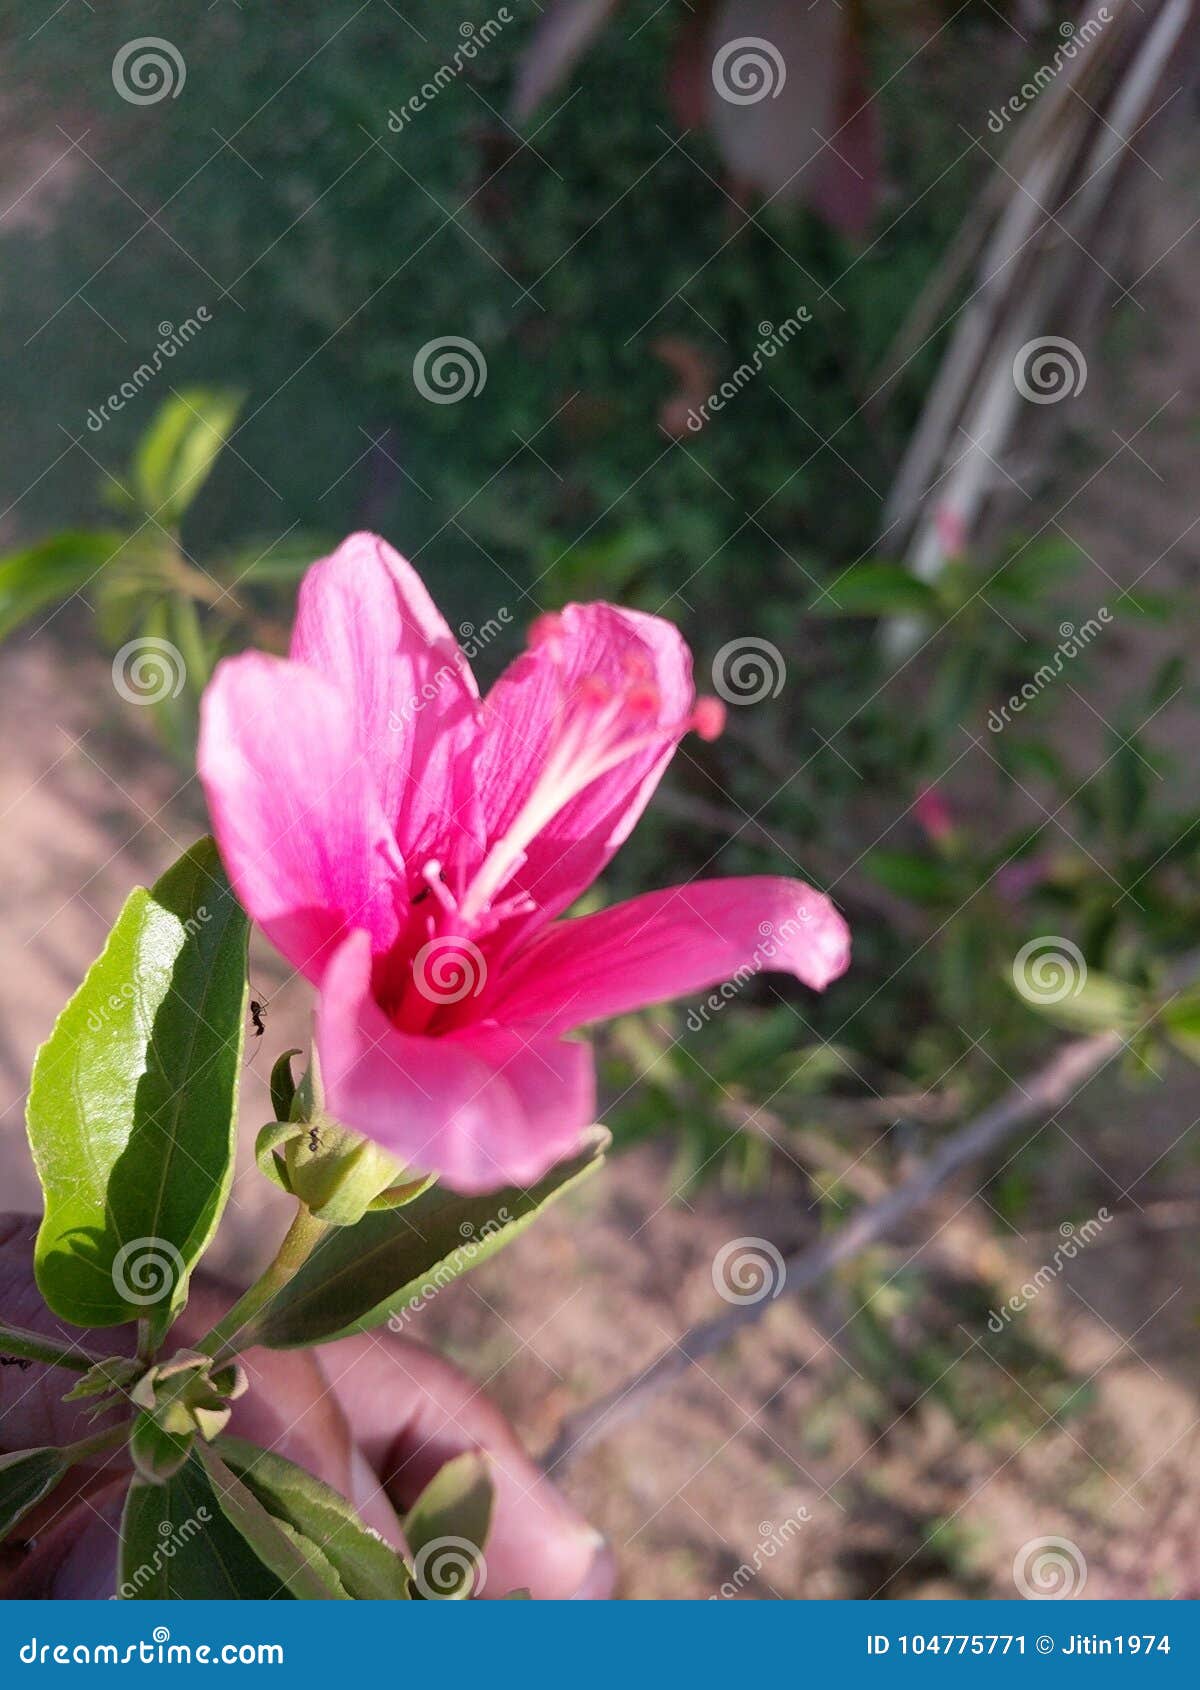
{"x":177,"y":1543}
{"x":447,"y":1527}
{"x":25,"y":1478}
{"x":52,"y":570}
{"x":296,"y":1563}
{"x":368,"y":1569}
{"x":397,"y":1259}
{"x":176,"y":454}
{"x":132,"y":1102}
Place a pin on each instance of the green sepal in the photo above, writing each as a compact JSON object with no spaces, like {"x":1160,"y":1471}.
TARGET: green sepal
{"x":114,"y":1373}
{"x":283,"y":1086}
{"x":360,"y":1276}
{"x":266,"y":1152}
{"x":158,"y":1454}
{"x":337,"y":1174}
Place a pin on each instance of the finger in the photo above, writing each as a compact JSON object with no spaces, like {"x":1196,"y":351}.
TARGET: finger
{"x":298,"y":1416}
{"x":410,"y":1412}
{"x":75,"y":1556}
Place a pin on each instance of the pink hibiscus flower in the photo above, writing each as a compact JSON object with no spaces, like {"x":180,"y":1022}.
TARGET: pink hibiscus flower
{"x":409,"y":847}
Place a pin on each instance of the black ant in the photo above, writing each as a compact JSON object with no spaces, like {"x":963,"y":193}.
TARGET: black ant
{"x":23,"y":1362}
{"x":257,"y":1012}
{"x":314,"y":1140}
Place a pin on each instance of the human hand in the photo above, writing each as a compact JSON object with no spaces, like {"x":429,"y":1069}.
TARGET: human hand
{"x":374,"y":1416}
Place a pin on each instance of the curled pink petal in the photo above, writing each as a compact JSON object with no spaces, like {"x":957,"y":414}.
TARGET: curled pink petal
{"x":668,"y":944}
{"x":294,"y":809}
{"x":408,"y":848}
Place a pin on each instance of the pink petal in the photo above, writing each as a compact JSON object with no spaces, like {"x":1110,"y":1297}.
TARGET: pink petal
{"x":668,"y":944}
{"x":294,"y":809}
{"x":365,"y":621}
{"x":521,"y":715}
{"x":482,"y":1108}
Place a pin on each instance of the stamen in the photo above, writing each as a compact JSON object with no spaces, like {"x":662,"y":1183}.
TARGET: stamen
{"x":708,"y":718}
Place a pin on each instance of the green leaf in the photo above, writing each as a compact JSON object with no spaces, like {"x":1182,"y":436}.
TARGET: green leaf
{"x":368,"y":1569}
{"x":132,"y":1102}
{"x":1035,"y":569}
{"x":1181,"y":1022}
{"x":52,"y":570}
{"x":25,"y":1478}
{"x":176,"y":454}
{"x":273,"y":562}
{"x":1053,"y":983}
{"x":357,"y":1276}
{"x":177,"y":1543}
{"x":286,"y":1552}
{"x":879,"y":589}
{"x":446,"y":1530}
{"x":910,"y":874}
{"x":157,"y":1453}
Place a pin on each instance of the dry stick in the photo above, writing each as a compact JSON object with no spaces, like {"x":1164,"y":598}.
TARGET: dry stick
{"x":1044,"y":1093}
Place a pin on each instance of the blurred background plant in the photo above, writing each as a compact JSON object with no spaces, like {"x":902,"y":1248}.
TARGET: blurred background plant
{"x":986,"y":763}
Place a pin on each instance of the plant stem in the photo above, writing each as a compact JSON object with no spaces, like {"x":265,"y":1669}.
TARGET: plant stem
{"x":302,"y":1237}
{"x":97,"y":1444}
{"x":145,"y":1341}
